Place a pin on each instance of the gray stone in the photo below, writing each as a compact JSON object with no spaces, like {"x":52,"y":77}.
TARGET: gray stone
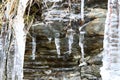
{"x":96,"y":27}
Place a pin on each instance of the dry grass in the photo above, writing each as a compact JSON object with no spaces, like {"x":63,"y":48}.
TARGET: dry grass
{"x":0,"y":15}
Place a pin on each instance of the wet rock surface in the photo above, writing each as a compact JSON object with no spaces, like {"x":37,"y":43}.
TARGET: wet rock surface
{"x":49,"y":66}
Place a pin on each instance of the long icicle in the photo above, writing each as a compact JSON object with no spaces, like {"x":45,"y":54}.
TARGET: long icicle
{"x":81,"y":44}
{"x":111,"y":43}
{"x":33,"y":43}
{"x":70,"y":35}
{"x":82,"y":10}
{"x":57,"y":43}
{"x":33,"y":47}
{"x":20,"y":40}
{"x":81,"y":35}
{"x":70,"y":31}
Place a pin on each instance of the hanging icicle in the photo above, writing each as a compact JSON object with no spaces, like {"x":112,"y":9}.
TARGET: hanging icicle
{"x":81,"y":44}
{"x":57,"y":43}
{"x":33,"y":47}
{"x":81,"y":35}
{"x":82,"y":10}
{"x":33,"y":44}
{"x":111,"y":43}
{"x":70,"y":31}
{"x":70,"y":35}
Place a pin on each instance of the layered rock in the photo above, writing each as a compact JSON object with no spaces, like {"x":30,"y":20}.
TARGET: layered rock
{"x":48,"y":65}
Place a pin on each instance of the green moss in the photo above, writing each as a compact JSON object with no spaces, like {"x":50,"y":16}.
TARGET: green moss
{"x":28,"y":19}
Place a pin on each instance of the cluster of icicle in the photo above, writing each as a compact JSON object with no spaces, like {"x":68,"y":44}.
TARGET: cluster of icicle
{"x":52,"y":14}
{"x":49,"y":16}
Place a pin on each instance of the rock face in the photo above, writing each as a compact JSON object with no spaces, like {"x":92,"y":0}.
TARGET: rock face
{"x":94,"y":42}
{"x":94,"y":35}
{"x":49,"y":66}
{"x":96,"y":27}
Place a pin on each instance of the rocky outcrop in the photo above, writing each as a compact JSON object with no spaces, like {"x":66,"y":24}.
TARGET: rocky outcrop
{"x":47,"y":64}
{"x":95,"y":33}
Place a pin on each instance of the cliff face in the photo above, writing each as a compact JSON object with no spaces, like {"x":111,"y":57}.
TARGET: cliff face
{"x":47,"y":65}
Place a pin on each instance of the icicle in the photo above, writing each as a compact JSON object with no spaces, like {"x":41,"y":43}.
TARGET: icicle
{"x":81,"y":44}
{"x":70,"y":34}
{"x":18,"y":26}
{"x":33,"y":43}
{"x":82,"y":10}
{"x":57,"y":43}
{"x":111,"y":55}
{"x":49,"y":39}
{"x":81,"y":36}
{"x":33,"y":47}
